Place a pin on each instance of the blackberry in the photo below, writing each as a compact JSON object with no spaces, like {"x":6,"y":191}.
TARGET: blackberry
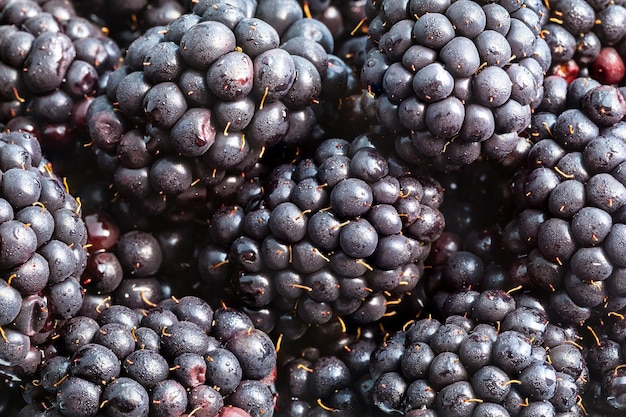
{"x":454,"y":77}
{"x":53,"y":63}
{"x":126,"y":21}
{"x":43,"y":253}
{"x":198,"y":115}
{"x":582,"y":36}
{"x":187,"y":369}
{"x":566,"y":215}
{"x":332,"y":237}
{"x":486,"y":364}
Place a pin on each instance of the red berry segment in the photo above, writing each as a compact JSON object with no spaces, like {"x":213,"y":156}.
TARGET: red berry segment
{"x":608,"y":68}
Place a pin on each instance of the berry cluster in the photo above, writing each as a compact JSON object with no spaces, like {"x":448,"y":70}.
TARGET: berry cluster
{"x":180,"y":356}
{"x":42,"y":255}
{"x":459,"y":79}
{"x":52,"y":64}
{"x":336,"y":234}
{"x":503,"y":358}
{"x":583,"y":37}
{"x":206,"y":95}
{"x":571,"y":206}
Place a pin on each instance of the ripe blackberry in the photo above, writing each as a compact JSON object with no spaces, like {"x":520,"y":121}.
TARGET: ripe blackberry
{"x":501,"y":349}
{"x":570,"y":201}
{"x":335,"y":234}
{"x":186,"y":369}
{"x":179,"y":120}
{"x":458,"y":80}
{"x":43,"y":252}
{"x":582,"y":36}
{"x":53,"y":63}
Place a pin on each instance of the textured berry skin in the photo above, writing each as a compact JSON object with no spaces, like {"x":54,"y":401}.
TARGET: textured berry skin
{"x":53,"y":64}
{"x":429,"y":363}
{"x":570,"y":200}
{"x":43,"y":255}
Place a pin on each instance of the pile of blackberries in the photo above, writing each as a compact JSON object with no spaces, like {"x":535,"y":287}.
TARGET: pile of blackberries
{"x":312,"y":208}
